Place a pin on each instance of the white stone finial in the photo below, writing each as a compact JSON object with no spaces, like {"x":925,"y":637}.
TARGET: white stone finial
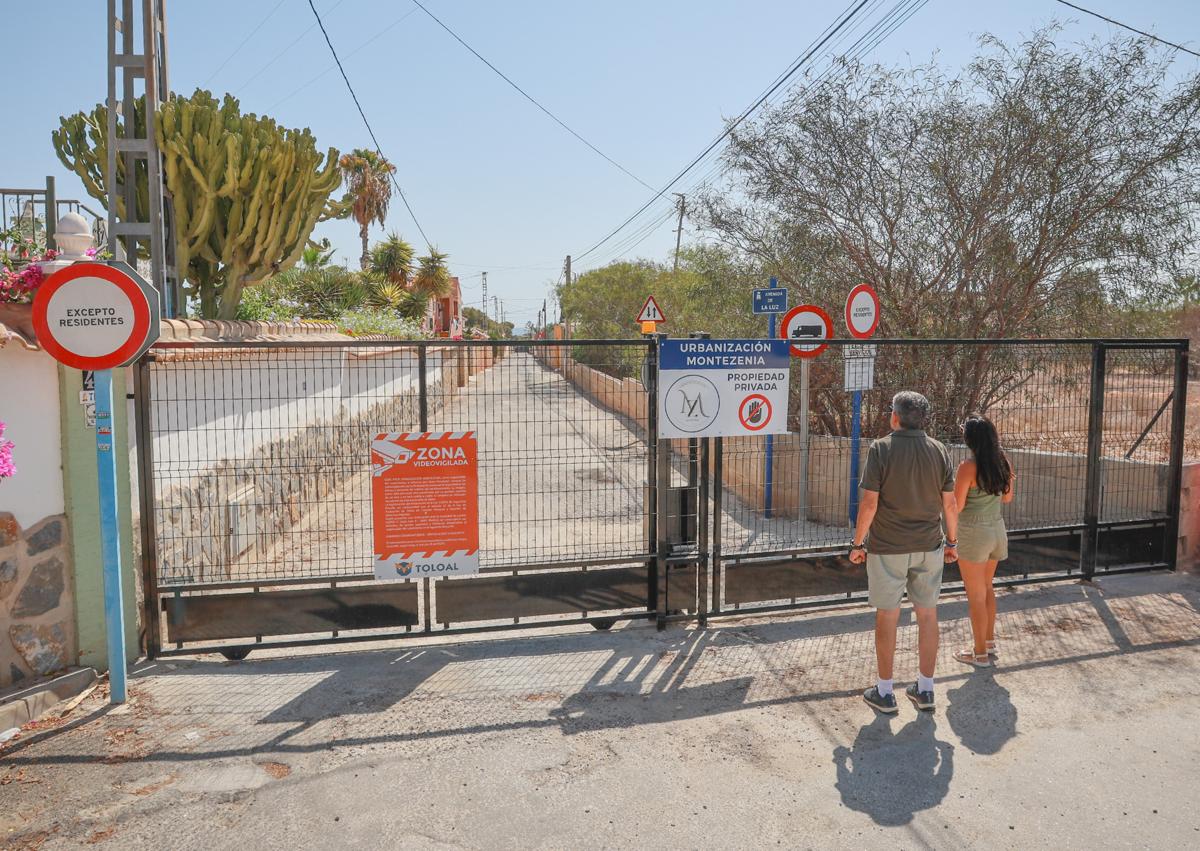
{"x":73,"y":237}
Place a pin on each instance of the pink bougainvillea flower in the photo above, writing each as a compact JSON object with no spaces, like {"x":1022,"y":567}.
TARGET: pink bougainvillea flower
{"x":7,"y":468}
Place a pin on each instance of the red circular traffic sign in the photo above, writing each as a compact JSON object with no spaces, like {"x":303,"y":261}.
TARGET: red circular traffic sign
{"x":806,"y":322}
{"x":755,"y":412}
{"x":95,"y":316}
{"x":862,"y":311}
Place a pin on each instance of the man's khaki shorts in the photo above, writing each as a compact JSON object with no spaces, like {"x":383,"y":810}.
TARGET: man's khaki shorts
{"x":889,"y":575}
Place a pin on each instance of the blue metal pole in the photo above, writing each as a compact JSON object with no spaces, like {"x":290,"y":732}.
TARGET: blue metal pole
{"x":110,"y":542}
{"x":769,"y":473}
{"x":855,"y":437}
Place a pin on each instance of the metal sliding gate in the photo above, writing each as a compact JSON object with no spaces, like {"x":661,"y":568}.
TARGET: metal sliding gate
{"x":254,"y":485}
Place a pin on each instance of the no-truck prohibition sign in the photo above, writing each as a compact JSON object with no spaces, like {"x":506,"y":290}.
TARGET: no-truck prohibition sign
{"x":96,"y":315}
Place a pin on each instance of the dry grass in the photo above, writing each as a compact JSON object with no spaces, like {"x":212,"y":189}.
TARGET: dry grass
{"x":1051,"y":415}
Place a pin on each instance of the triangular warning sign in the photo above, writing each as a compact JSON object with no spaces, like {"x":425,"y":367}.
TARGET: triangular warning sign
{"x":651,"y":312}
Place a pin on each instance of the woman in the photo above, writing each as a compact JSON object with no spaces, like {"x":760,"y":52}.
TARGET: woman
{"x":982,"y":483}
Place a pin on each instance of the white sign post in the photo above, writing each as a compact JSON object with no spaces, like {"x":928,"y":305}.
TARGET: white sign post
{"x":862,"y":318}
{"x":722,"y":388}
{"x":99,"y":316}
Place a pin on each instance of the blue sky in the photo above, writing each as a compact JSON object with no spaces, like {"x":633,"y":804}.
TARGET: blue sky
{"x":494,"y":181}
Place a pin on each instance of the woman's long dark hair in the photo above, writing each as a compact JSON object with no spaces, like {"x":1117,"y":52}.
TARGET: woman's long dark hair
{"x":993,"y":472}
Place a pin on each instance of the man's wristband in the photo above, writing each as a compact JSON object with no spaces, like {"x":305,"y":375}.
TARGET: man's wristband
{"x":862,"y":547}
{"x":951,"y":545}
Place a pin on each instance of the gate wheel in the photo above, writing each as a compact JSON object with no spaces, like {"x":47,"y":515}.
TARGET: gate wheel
{"x":604,"y":624}
{"x":237,"y":654}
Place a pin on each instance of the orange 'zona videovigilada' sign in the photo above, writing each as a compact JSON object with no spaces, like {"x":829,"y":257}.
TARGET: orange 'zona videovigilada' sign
{"x":425,"y":504}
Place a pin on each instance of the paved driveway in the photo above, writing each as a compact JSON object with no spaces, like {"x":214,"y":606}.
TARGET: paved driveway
{"x":747,"y":735}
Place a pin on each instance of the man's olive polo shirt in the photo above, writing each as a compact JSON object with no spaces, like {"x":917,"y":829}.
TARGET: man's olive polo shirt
{"x":910,"y":471}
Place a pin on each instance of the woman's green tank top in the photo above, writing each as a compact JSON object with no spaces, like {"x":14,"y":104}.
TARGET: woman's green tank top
{"x":980,"y":505}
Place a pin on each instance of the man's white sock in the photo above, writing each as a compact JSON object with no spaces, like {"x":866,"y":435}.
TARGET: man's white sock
{"x":924,"y":683}
{"x":885,"y":687}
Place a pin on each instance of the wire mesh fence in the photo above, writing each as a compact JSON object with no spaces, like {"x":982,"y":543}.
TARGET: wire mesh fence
{"x":258,"y":473}
{"x":1037,"y":394}
{"x":261,"y":465}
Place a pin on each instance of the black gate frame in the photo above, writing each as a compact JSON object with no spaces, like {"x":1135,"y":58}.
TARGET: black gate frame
{"x":1076,"y":546}
{"x":679,"y":574}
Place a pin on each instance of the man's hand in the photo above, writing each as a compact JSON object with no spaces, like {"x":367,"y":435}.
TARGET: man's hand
{"x":858,"y":555}
{"x":950,"y":554}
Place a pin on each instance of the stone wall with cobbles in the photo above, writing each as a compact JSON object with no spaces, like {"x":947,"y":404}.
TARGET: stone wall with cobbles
{"x":37,"y":601}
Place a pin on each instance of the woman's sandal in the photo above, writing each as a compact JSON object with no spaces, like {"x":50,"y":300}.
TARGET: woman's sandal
{"x":991,"y":649}
{"x":968,"y":657}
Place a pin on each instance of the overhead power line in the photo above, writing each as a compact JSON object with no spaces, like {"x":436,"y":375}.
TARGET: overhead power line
{"x":281,"y":53}
{"x":1131,"y":29}
{"x":378,"y":150}
{"x":352,"y":53}
{"x":530,"y":97}
{"x":732,"y":125}
{"x":865,"y":43}
{"x":243,"y":43}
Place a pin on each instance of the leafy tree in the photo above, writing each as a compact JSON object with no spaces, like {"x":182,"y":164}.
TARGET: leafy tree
{"x":317,"y":254}
{"x":474,"y":318}
{"x":1029,"y":195}
{"x":432,"y":277}
{"x":368,"y":178}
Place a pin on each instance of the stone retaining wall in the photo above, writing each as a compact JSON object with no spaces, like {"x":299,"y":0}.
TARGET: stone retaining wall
{"x":292,"y":451}
{"x":37,"y":600}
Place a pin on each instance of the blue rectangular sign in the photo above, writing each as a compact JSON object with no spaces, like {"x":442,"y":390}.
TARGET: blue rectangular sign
{"x":694,"y":354}
{"x":773,"y":300}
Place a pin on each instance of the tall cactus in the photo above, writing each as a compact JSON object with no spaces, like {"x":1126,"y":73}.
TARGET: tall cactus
{"x":246,"y":193}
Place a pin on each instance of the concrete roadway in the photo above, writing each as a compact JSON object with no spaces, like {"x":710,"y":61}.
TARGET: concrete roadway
{"x":747,"y":735}
{"x":560,"y":478}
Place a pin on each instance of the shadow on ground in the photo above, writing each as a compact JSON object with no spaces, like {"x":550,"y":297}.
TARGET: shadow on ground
{"x":890,"y":773}
{"x":591,"y":681}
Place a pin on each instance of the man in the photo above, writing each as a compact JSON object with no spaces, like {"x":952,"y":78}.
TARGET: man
{"x":908,"y":487}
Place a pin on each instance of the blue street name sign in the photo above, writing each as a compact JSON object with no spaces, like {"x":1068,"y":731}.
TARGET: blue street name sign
{"x":770,"y":301}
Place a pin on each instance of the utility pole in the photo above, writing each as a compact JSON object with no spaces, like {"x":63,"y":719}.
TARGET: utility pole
{"x":679,"y":230}
{"x":137,"y":47}
{"x":566,"y":329}
{"x":485,"y":313}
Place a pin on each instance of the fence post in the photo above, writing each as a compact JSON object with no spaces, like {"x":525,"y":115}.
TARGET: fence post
{"x":144,"y":435}
{"x":662,"y":478}
{"x":718,"y":474}
{"x":51,"y":214}
{"x":423,"y":389}
{"x":652,"y":524}
{"x":1175,"y":470}
{"x":423,"y":407}
{"x":1089,"y":540}
{"x":698,"y":455}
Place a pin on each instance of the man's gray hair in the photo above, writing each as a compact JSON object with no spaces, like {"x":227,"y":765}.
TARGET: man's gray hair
{"x":912,"y":409}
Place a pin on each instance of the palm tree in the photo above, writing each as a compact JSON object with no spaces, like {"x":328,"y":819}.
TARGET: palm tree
{"x":393,"y":259}
{"x":433,"y":275}
{"x":368,"y":175}
{"x":317,"y":255}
